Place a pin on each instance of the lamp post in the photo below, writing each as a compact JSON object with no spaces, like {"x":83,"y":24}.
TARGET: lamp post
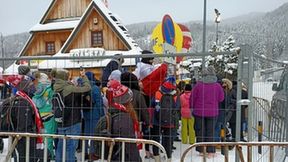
{"x":204,"y":34}
{"x":2,"y":49}
{"x":217,"y":21}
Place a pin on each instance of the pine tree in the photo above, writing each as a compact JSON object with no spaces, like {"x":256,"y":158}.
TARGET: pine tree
{"x":225,"y":65}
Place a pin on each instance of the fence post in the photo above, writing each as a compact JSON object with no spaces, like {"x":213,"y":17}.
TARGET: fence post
{"x":64,"y":150}
{"x":222,"y":135}
{"x":27,"y":149}
{"x":238,"y":108}
{"x":250,"y":93}
{"x":260,"y":132}
{"x":45,"y":149}
{"x":83,"y":150}
{"x":123,"y":152}
{"x":286,"y":118}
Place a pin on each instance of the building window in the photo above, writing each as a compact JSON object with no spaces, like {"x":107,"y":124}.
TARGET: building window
{"x":50,"y":47}
{"x":97,"y":39}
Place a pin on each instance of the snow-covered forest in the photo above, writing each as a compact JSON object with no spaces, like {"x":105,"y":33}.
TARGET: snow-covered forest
{"x":267,"y":33}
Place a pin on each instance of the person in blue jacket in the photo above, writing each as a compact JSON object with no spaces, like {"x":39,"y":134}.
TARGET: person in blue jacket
{"x":91,"y":117}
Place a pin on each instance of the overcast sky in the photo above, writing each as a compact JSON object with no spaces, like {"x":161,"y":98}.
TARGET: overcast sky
{"x":20,"y":15}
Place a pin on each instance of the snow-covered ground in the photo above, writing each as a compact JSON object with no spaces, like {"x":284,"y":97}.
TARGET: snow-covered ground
{"x":260,"y":89}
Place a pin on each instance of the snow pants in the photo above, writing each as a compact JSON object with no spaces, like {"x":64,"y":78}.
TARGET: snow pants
{"x":187,"y":130}
{"x":205,"y":130}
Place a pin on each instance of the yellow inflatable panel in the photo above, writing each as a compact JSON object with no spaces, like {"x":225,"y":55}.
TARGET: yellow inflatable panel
{"x":158,"y":39}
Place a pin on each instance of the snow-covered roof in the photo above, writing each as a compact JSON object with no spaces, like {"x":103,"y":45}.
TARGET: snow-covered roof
{"x":112,"y":20}
{"x":12,"y":69}
{"x":55,"y":26}
{"x":115,"y":20}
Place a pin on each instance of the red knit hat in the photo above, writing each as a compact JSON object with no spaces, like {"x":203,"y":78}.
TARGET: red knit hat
{"x":121,"y":93}
{"x":14,"y":80}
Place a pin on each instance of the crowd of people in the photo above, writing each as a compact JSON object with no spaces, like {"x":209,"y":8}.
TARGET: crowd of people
{"x":144,"y":104}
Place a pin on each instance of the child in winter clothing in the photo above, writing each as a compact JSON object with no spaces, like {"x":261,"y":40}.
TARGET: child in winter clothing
{"x":165,"y":117}
{"x":187,"y":120}
{"x":42,"y":99}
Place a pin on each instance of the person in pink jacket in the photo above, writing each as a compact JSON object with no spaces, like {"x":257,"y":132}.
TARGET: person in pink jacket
{"x":204,"y":100}
{"x":187,"y":120}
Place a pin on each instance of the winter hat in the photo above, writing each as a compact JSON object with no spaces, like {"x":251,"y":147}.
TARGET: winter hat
{"x":23,"y":70}
{"x":53,"y":73}
{"x":227,"y":82}
{"x":209,"y":71}
{"x":14,"y":80}
{"x":148,"y":59}
{"x":188,"y":87}
{"x":62,"y":74}
{"x":169,"y":86}
{"x":115,"y":75}
{"x":121,"y":93}
{"x":90,"y":75}
{"x":130,"y":80}
{"x":44,"y":79}
{"x":21,"y":82}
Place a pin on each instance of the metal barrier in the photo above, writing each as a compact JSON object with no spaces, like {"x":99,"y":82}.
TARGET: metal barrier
{"x":278,"y":121}
{"x":17,"y":136}
{"x":238,"y":146}
{"x":261,"y":113}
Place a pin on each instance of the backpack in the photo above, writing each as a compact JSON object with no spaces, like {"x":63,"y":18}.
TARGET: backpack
{"x":6,"y":124}
{"x":58,"y":107}
{"x":167,"y":113}
{"x":104,"y":129}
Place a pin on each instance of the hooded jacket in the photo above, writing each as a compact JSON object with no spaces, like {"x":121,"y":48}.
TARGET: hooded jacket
{"x":97,"y":104}
{"x":185,"y":105}
{"x":72,"y":99}
{"x":111,"y":66}
{"x":205,"y":99}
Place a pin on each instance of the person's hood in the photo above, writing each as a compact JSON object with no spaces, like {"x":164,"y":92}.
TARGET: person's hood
{"x":59,"y":86}
{"x":209,"y":79}
{"x":41,"y":89}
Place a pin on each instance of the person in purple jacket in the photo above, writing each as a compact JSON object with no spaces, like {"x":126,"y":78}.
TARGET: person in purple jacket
{"x":204,"y":101}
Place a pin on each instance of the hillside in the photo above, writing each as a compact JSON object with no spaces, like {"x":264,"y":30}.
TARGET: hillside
{"x":265,"y":32}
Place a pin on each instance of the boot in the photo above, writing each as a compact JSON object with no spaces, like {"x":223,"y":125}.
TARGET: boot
{"x":157,"y":158}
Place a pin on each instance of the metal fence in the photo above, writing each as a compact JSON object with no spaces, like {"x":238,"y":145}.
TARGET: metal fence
{"x":262,"y":118}
{"x":248,"y":151}
{"x":259,"y":108}
{"x":15,"y":137}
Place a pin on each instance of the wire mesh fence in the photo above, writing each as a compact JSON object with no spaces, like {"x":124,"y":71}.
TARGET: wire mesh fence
{"x":134,"y":107}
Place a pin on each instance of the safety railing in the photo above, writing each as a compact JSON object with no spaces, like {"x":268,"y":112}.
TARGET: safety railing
{"x":17,"y":136}
{"x":239,"y":149}
{"x":261,"y":117}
